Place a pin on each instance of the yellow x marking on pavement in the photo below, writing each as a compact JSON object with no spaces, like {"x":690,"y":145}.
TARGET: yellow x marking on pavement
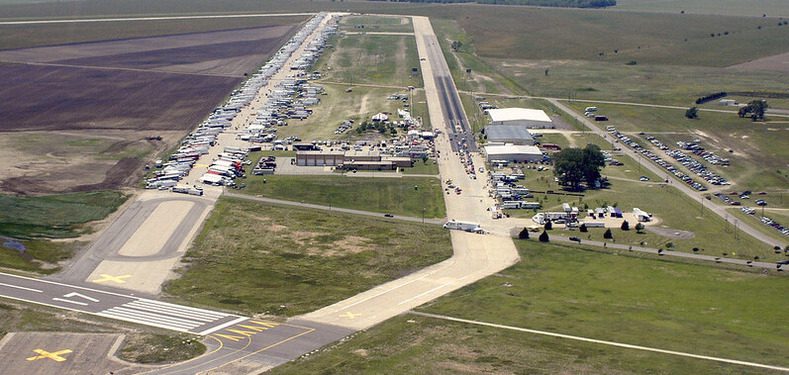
{"x":349,"y":315}
{"x":118,"y":279}
{"x":55,"y":356}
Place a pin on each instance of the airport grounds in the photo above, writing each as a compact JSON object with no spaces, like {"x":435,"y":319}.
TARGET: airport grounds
{"x":314,"y":258}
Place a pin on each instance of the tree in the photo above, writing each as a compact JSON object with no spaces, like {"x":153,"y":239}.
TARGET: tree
{"x":456,"y":44}
{"x":574,"y":165}
{"x":625,"y":225}
{"x":608,"y":235}
{"x":524,"y":234}
{"x":544,"y":237}
{"x":639,"y":228}
{"x":583,"y":228}
{"x":755,"y":109}
{"x":548,"y":225}
{"x":692,"y":113}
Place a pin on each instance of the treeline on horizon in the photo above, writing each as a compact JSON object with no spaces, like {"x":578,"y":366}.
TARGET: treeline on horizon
{"x":544,"y":3}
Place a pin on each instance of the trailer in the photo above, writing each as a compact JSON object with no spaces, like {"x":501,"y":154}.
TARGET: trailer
{"x":464,"y":226}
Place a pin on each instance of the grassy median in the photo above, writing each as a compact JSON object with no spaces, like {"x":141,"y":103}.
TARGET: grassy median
{"x":410,"y":196}
{"x":258,"y":258}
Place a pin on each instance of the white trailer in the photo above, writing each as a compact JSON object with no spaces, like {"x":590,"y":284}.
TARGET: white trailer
{"x":464,"y":226}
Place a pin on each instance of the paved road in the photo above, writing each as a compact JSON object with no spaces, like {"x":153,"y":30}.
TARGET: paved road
{"x":334,"y":209}
{"x":718,"y":210}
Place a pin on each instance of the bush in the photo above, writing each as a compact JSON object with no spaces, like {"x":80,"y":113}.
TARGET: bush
{"x":583,"y":228}
{"x":544,"y":237}
{"x":639,"y":227}
{"x":625,"y":225}
{"x":608,"y":235}
{"x":524,"y":234}
{"x":548,"y":225}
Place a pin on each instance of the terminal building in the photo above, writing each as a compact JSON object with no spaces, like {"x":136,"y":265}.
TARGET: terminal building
{"x":352,"y":160}
{"x":523,"y":117}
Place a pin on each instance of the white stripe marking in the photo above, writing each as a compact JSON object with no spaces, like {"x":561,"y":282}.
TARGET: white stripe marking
{"x":21,"y":287}
{"x":170,"y":313}
{"x":171,"y":305}
{"x":221,"y":326}
{"x":164,"y":318}
{"x":422,"y":294}
{"x":177,"y":309}
{"x":148,"y":320}
{"x":143,"y":322}
{"x":70,"y":301}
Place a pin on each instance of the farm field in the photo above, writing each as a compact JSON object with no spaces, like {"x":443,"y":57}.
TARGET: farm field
{"x":104,"y":98}
{"x":366,"y":24}
{"x":696,"y":308}
{"x":384,"y":194}
{"x":259,"y":258}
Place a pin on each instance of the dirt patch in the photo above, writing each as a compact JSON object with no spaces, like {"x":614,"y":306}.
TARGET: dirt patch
{"x":778,"y":63}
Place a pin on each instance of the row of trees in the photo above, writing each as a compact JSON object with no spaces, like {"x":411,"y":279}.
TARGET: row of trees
{"x":542,"y":3}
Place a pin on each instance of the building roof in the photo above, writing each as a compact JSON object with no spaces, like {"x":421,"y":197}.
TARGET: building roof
{"x":509,"y":149}
{"x":518,"y":114}
{"x":498,"y":133}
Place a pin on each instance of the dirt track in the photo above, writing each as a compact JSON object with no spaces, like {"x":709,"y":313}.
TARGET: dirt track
{"x":778,"y":63}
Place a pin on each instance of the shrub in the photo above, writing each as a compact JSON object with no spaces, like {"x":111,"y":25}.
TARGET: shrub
{"x":544,"y":237}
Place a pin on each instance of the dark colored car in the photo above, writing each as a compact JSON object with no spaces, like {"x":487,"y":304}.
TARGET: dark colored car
{"x":576,"y":239}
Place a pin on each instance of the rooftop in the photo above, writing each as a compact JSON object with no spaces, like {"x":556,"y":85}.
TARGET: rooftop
{"x":507,"y":132}
{"x":511,"y":149}
{"x":516,"y":114}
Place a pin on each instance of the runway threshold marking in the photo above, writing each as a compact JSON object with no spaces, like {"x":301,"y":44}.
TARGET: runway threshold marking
{"x":121,"y":279}
{"x":241,"y":331}
{"x":55,"y":356}
{"x":350,"y":315}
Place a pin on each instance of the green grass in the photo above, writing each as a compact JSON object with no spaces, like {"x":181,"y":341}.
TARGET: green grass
{"x":257,"y":258}
{"x":686,"y":307}
{"x":40,"y":256}
{"x":376,"y":24}
{"x":759,"y":148}
{"x":773,"y":8}
{"x":635,"y":300}
{"x":153,"y":348}
{"x":383,"y":194}
{"x":372,"y":59}
{"x":644,"y":83}
{"x":423,"y":167}
{"x":55,"y":216}
{"x":25,"y":36}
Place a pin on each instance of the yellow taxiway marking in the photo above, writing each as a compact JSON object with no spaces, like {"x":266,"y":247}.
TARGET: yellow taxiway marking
{"x":117,"y":279}
{"x":55,"y":356}
{"x":350,"y":315}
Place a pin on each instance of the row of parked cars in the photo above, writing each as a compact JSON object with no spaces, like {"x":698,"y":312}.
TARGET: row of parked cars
{"x":692,"y":164}
{"x":627,"y":141}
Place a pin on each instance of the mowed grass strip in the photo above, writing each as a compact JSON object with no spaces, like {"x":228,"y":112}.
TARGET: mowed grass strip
{"x":256,"y":258}
{"x":637,"y":300}
{"x":417,"y":345}
{"x":409,"y":196}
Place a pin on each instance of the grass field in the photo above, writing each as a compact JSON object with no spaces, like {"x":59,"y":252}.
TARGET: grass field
{"x":55,"y":216}
{"x":39,"y":256}
{"x":386,"y":195}
{"x":684,"y":307}
{"x":756,"y":8}
{"x":645,"y":83}
{"x":25,"y":36}
{"x":423,"y":167}
{"x":376,"y":24}
{"x":372,"y":59}
{"x":258,"y":258}
{"x":759,"y":148}
{"x":337,"y":106}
